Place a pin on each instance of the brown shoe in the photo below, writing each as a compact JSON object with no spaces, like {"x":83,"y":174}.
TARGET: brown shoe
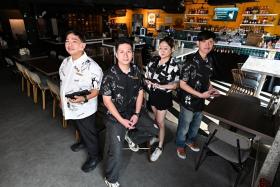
{"x":181,"y":152}
{"x":193,"y":147}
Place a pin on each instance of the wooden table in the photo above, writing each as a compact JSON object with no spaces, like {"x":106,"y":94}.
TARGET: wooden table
{"x":24,"y":58}
{"x":242,"y":114}
{"x":47,"y":66}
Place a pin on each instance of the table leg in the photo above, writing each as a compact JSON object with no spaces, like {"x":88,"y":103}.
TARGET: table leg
{"x":272,"y":160}
{"x":257,"y":141}
{"x":261,"y":83}
{"x":270,"y":87}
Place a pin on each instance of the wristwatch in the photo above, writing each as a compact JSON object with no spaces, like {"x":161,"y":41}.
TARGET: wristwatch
{"x":137,"y":114}
{"x":86,"y":100}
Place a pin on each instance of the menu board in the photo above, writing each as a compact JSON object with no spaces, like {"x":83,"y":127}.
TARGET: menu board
{"x":225,"y":14}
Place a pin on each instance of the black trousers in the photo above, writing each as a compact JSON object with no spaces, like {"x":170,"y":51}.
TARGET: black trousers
{"x":115,"y":133}
{"x":89,"y":135}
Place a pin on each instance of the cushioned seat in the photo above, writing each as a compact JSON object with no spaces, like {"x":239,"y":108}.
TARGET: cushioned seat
{"x":229,"y":152}
{"x":38,"y":83}
{"x":250,"y":83}
{"x":24,"y":74}
{"x":21,"y":71}
{"x":249,"y":75}
{"x":229,"y":145}
{"x":253,"y":76}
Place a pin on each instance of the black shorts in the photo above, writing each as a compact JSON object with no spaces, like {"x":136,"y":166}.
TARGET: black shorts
{"x":160,"y":99}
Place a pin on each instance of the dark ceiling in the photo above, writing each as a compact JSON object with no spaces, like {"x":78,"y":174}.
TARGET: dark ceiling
{"x":150,"y":4}
{"x":97,"y":6}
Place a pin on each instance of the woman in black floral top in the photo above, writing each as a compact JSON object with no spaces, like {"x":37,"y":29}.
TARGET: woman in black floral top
{"x":162,"y":76}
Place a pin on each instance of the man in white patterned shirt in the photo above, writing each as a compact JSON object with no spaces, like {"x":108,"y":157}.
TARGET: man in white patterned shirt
{"x":79,"y":72}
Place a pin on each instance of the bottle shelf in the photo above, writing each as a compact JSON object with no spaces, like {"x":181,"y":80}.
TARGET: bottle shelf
{"x":259,"y":14}
{"x":257,"y":25}
{"x":196,"y":14}
{"x":198,"y":23}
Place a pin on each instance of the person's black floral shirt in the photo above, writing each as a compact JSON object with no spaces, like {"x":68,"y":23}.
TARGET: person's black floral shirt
{"x":196,"y":72}
{"x":162,"y":74}
{"x":123,"y":88}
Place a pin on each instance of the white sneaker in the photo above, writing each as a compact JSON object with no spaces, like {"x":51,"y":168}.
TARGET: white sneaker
{"x":132,"y":146}
{"x":109,"y":184}
{"x":154,"y":140}
{"x":156,"y":154}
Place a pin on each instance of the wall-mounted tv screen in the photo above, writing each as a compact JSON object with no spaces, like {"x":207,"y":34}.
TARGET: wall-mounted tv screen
{"x":225,"y":14}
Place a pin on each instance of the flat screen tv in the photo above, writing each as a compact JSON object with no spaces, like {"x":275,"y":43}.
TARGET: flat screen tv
{"x":225,"y":14}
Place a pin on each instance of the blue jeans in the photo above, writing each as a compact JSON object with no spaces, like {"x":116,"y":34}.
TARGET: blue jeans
{"x":188,"y":125}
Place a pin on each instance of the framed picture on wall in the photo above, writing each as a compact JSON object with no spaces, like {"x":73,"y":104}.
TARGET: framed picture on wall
{"x":152,"y":20}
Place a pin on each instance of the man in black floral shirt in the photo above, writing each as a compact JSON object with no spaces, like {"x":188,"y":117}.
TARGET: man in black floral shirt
{"x":195,"y":87}
{"x":123,"y":96}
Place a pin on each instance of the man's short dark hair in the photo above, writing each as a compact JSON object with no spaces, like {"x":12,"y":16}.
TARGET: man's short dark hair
{"x":77,"y":33}
{"x":205,"y":35}
{"x":123,"y":40}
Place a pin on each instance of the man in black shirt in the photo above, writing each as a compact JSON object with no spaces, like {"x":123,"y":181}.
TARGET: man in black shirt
{"x":195,"y":87}
{"x":123,"y":96}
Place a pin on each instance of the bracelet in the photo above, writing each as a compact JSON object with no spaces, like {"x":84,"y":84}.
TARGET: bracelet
{"x":86,"y":100}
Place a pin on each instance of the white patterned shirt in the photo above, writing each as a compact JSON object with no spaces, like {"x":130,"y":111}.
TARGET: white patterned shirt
{"x":81,"y":74}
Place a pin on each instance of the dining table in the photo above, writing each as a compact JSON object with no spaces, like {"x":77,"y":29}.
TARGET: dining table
{"x":245,"y":113}
{"x":25,"y":58}
{"x":240,"y":112}
{"x":47,"y":66}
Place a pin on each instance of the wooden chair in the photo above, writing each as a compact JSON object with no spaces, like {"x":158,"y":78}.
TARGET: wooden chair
{"x":229,"y":145}
{"x":54,"y":89}
{"x":241,"y":84}
{"x":37,"y":83}
{"x":21,"y":72}
{"x":25,"y":77}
